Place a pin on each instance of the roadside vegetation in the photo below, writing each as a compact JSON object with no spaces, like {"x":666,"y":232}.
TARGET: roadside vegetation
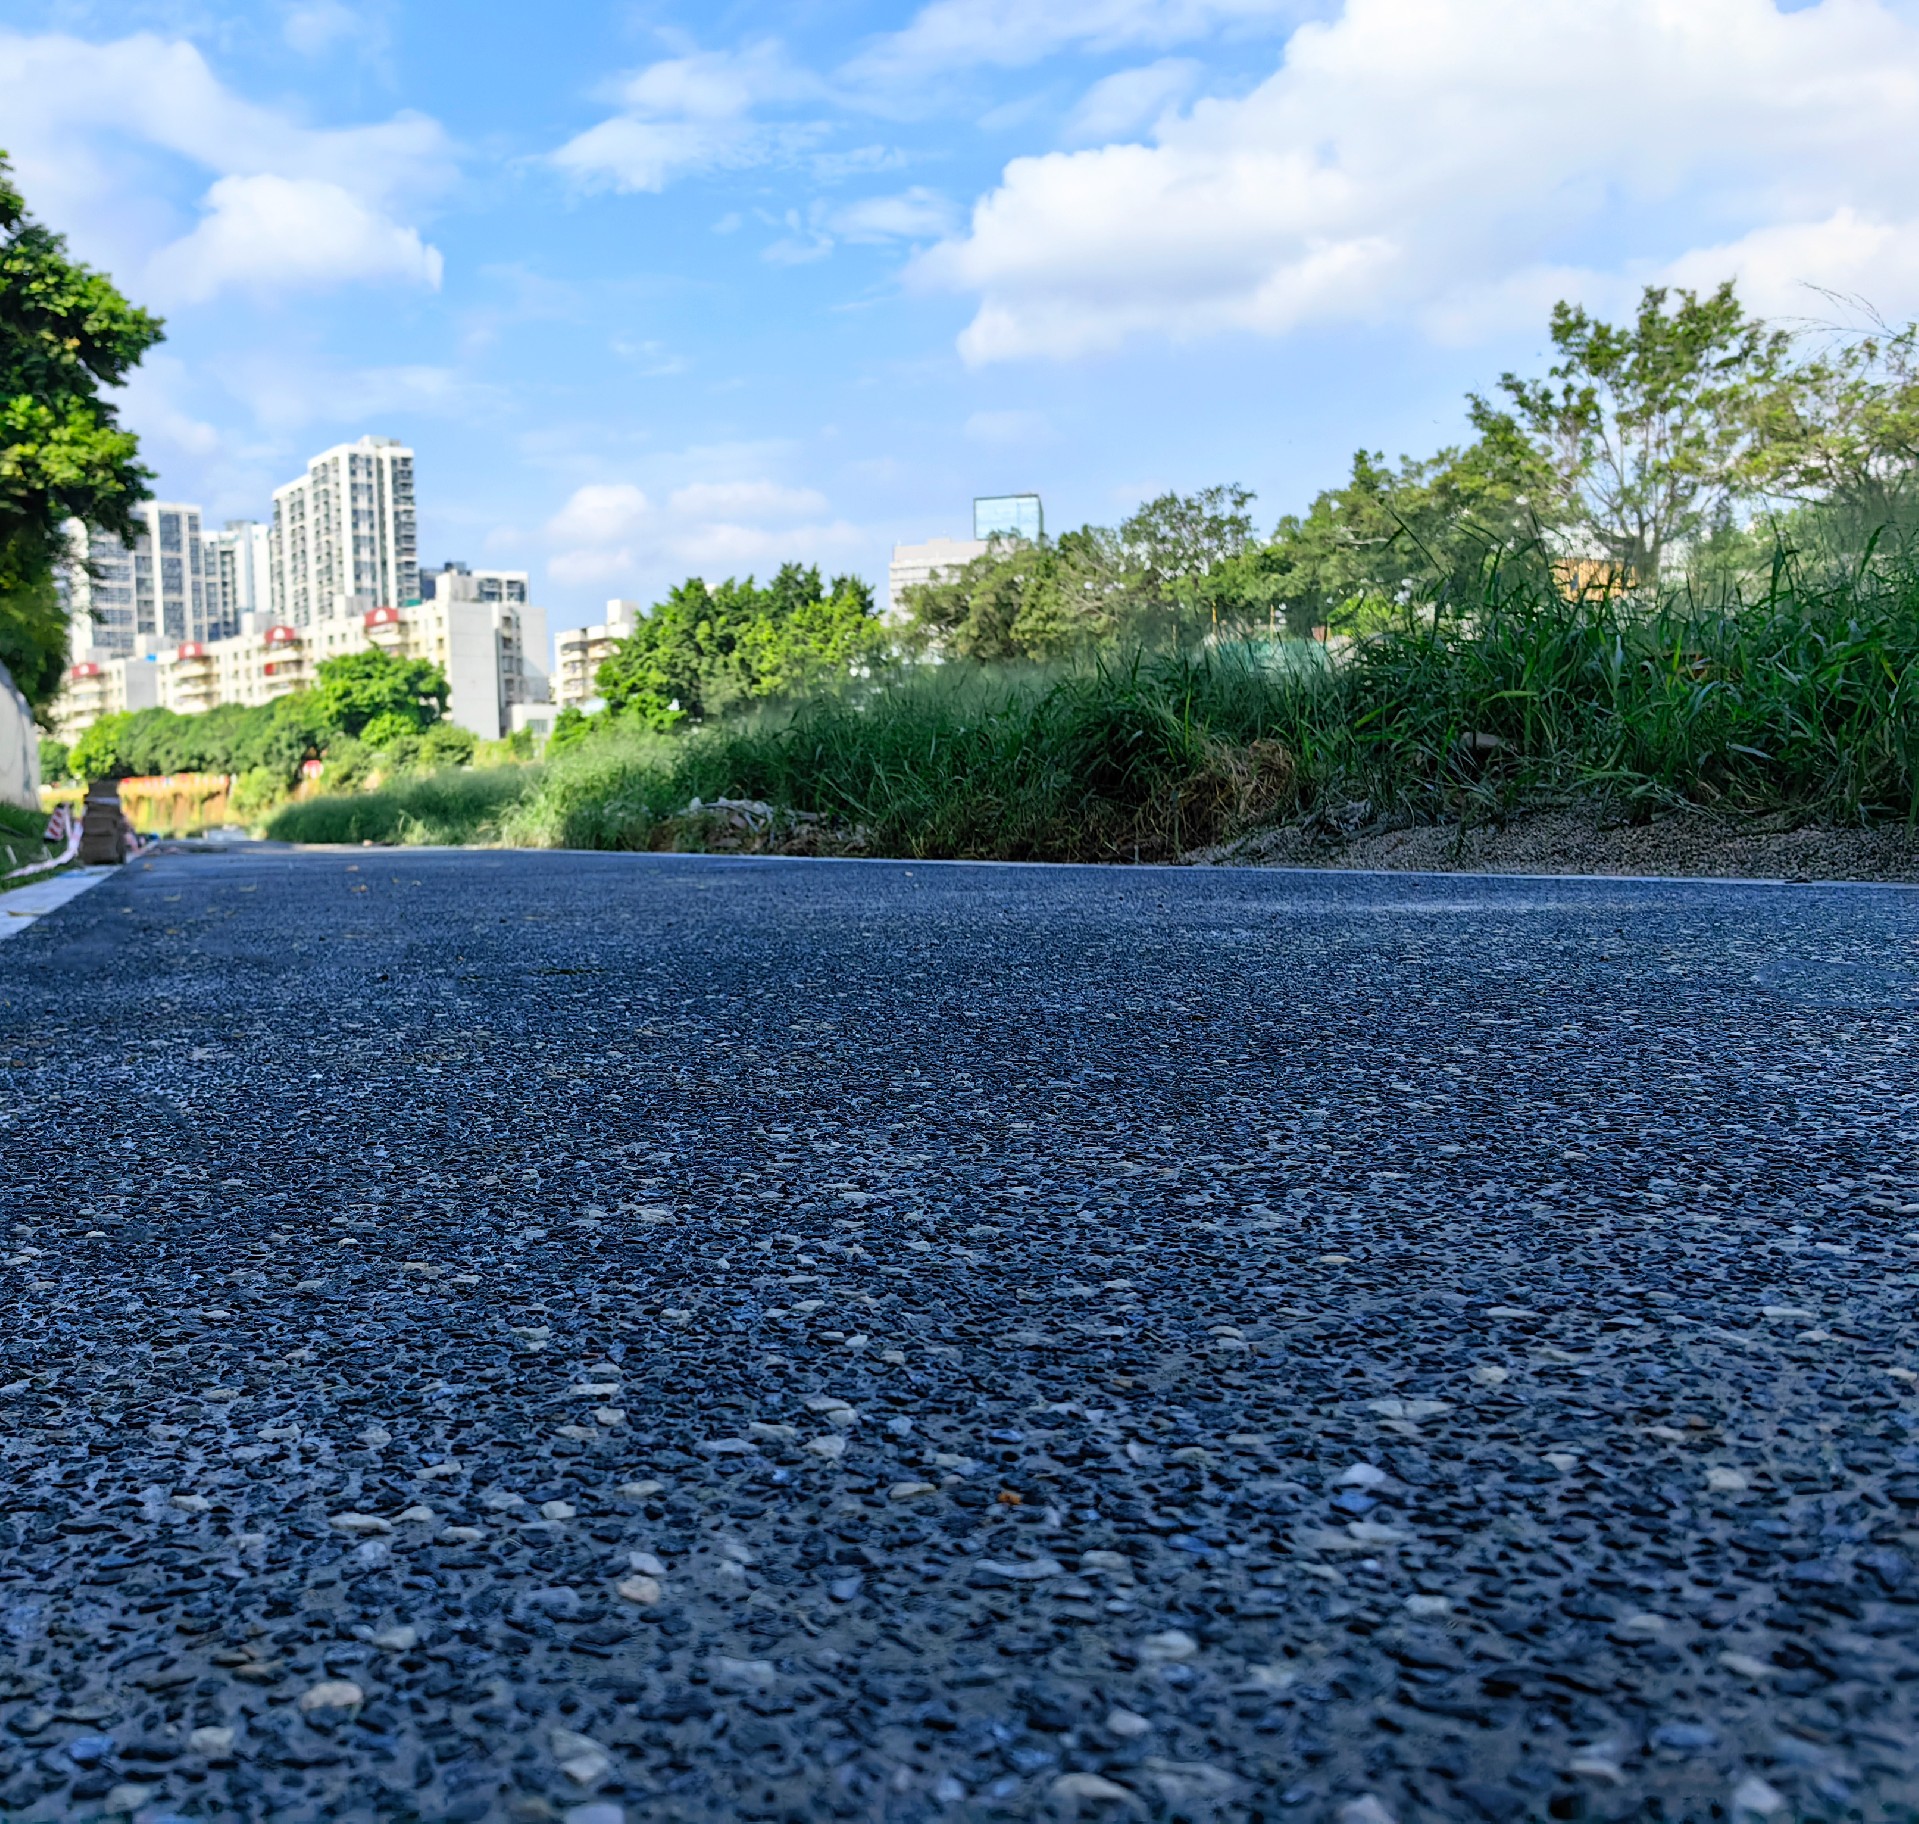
{"x":1680,"y":569}
{"x":368,"y":719}
{"x":1797,"y":700}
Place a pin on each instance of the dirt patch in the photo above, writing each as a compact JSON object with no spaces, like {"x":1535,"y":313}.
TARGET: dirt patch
{"x":1587,"y":841}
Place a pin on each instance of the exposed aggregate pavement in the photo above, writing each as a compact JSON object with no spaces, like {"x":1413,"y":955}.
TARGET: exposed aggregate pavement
{"x":536,"y":1336}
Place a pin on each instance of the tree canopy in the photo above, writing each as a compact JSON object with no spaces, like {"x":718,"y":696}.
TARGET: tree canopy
{"x":1642,"y":436}
{"x":704,"y":650}
{"x":65,"y":334}
{"x":1643,"y":442}
{"x":375,"y":694}
{"x":362,"y":700}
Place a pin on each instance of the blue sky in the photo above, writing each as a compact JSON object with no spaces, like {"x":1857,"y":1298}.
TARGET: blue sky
{"x":660,"y":289}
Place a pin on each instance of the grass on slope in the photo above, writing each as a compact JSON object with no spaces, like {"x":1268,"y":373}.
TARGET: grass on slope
{"x":1798,"y":698}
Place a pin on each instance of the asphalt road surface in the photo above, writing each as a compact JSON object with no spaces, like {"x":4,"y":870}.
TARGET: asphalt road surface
{"x":535,"y":1336}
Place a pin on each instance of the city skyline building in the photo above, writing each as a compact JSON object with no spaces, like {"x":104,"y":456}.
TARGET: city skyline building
{"x":346,"y":528}
{"x":458,"y":582}
{"x":239,"y":561}
{"x":491,"y":652}
{"x":119,"y":593}
{"x":1009,"y":516}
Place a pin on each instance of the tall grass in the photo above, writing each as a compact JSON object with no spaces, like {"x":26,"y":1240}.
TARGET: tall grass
{"x":453,"y":806}
{"x":1146,"y":754}
{"x":1797,"y":695}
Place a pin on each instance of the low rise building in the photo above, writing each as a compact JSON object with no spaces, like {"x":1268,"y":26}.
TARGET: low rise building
{"x":1016,"y":517}
{"x":927,"y":562}
{"x":579,"y":652}
{"x":104,"y":687}
{"x":490,"y":652}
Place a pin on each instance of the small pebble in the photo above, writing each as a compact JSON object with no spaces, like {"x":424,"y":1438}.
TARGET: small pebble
{"x":332,"y":1694}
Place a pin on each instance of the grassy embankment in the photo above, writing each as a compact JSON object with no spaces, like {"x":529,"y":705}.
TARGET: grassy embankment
{"x":22,"y":842}
{"x":1799,"y":699}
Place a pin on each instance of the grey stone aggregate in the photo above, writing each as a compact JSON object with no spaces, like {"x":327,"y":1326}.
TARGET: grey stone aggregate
{"x":657,"y":1338}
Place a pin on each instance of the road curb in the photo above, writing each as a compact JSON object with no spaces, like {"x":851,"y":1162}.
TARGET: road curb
{"x":24,"y":906}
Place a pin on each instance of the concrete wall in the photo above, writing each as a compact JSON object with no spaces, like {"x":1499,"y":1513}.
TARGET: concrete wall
{"x":19,"y":748}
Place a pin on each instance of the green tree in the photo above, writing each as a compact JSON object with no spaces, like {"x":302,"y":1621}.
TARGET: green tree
{"x":359,"y":688}
{"x":1014,"y":601}
{"x":96,"y":755}
{"x":1387,"y":537}
{"x":55,"y":757}
{"x":65,"y":334}
{"x":1846,"y":435}
{"x":704,"y":649}
{"x":1176,"y":542}
{"x":1642,"y":437}
{"x":571,"y":728}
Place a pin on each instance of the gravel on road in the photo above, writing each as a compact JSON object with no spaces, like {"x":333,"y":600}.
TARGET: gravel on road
{"x":539,"y":1336}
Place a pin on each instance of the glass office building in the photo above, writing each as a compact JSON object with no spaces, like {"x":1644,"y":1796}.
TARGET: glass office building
{"x":1009,"y":516}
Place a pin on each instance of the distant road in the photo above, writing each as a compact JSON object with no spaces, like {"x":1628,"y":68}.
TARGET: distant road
{"x":523,"y":1335}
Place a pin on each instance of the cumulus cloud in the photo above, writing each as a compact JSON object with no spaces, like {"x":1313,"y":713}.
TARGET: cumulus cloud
{"x":1412,"y":158}
{"x":686,"y":116}
{"x":98,"y":131}
{"x":601,"y":513}
{"x":610,"y":532}
{"x":289,"y":234}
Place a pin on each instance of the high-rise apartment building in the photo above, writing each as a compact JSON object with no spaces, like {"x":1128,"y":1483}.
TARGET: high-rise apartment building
{"x":96,"y":583}
{"x":239,"y":576}
{"x":346,"y":528}
{"x":153,"y":589}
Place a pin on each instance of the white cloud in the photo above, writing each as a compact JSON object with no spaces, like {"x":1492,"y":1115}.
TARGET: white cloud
{"x":609,"y":532}
{"x":917,"y":214}
{"x":757,"y":500}
{"x":1014,"y":34}
{"x":98,"y":133}
{"x":1414,"y":157}
{"x":289,"y":234}
{"x":1129,"y":100}
{"x":314,"y":27}
{"x":1873,"y":258}
{"x":293,"y":392}
{"x":686,"y":116}
{"x":601,"y":513}
{"x":152,"y":402}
